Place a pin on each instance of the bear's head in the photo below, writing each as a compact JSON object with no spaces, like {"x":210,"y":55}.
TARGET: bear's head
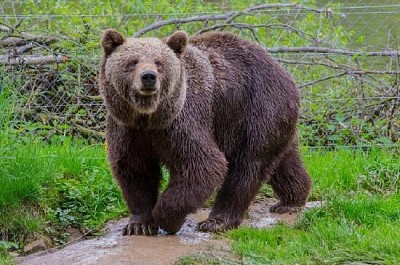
{"x":144,"y":71}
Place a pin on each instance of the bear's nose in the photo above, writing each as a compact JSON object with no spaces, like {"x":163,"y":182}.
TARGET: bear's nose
{"x":149,"y":78}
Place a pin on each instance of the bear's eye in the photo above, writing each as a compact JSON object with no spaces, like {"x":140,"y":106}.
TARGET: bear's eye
{"x":130,"y":66}
{"x":159,"y":65}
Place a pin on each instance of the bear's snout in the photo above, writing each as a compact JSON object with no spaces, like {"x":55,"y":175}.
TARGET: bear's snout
{"x":149,"y":80}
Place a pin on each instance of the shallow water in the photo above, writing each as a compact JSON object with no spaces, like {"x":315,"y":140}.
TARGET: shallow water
{"x":113,"y":248}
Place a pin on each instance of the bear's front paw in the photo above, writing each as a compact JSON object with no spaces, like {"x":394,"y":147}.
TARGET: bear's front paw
{"x":215,"y":225}
{"x":282,"y":208}
{"x":169,"y":218}
{"x":137,"y":226}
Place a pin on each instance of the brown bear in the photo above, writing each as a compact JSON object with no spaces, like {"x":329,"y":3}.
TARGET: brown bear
{"x":214,"y":109}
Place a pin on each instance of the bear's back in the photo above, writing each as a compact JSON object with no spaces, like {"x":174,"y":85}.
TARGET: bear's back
{"x":244,"y":64}
{"x":251,"y":91}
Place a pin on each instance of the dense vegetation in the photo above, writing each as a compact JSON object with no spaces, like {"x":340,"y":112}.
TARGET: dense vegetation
{"x":53,"y":170}
{"x":348,"y":97}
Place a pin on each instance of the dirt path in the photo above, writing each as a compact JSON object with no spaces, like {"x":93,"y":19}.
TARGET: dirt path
{"x":113,"y":248}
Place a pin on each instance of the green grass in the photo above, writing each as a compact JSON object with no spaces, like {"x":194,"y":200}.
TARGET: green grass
{"x":6,"y":260}
{"x":359,"y":223}
{"x":50,"y":186}
{"x":342,"y":232}
{"x":207,"y":259}
{"x":351,"y":171}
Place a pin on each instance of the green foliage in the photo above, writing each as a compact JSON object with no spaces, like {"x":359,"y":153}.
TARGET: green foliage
{"x":6,"y":260}
{"x":4,"y":247}
{"x":85,"y":200}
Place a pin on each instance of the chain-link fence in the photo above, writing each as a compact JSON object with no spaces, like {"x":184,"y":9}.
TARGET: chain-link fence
{"x":344,"y":57}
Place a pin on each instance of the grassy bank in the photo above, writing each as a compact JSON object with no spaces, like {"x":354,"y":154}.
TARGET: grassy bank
{"x":48,"y":187}
{"x":359,"y":223}
{"x":362,"y":229}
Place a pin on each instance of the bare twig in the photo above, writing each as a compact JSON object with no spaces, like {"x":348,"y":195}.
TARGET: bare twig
{"x":93,"y":98}
{"x":25,"y":48}
{"x":323,"y":79}
{"x":83,"y":236}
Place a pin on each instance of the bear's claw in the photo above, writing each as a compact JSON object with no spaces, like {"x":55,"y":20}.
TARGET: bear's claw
{"x":212,"y":225}
{"x":140,"y":229}
{"x":281,"y":208}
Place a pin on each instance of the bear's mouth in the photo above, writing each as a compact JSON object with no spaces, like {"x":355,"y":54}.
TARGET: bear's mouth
{"x":146,"y":102}
{"x":146,"y":92}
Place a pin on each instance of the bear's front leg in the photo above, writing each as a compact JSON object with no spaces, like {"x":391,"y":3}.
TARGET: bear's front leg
{"x":197,"y":167}
{"x":138,"y":173}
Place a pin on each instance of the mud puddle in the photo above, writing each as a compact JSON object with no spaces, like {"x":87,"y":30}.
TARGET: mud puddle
{"x":113,"y":248}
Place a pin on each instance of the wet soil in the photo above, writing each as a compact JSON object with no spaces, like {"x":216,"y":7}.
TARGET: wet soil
{"x":113,"y":248}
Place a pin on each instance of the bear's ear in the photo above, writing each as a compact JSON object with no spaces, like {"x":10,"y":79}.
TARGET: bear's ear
{"x":178,"y":41}
{"x":110,"y":40}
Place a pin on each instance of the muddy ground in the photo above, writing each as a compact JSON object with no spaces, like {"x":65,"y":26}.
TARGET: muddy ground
{"x":113,"y":248}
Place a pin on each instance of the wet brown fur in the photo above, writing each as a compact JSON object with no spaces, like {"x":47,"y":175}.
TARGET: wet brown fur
{"x":224,"y":118}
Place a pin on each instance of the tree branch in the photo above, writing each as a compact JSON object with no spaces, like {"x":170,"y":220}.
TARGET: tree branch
{"x":34,"y":60}
{"x":228,"y":16}
{"x":347,"y":68}
{"x":299,"y":32}
{"x":9,"y":29}
{"x":175,"y":21}
{"x":249,"y":10}
{"x":5,"y":29}
{"x":16,"y":52}
{"x":325,"y":50}
{"x":26,"y":38}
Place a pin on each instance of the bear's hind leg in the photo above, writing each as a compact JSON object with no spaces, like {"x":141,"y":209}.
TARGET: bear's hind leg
{"x":245,"y":177}
{"x":291,"y":184}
